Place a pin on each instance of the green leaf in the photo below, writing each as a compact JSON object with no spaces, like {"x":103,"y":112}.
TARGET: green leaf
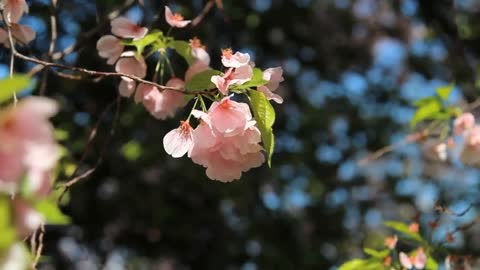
{"x":257,"y":80}
{"x":428,"y":110}
{"x":403,"y":228}
{"x":51,"y":212}
{"x":431,"y":264}
{"x":9,"y":86}
{"x":376,"y":254}
{"x":265,"y":117}
{"x":444,"y":91}
{"x":8,"y":234}
{"x":184,"y":49}
{"x":202,"y":81}
{"x":353,"y":265}
{"x":150,"y":39}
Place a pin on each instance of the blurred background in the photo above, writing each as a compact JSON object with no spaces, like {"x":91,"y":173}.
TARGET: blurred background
{"x":352,"y":70}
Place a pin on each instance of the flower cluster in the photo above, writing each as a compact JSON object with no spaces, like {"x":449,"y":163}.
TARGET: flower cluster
{"x":160,"y":104}
{"x":28,"y":155}
{"x":227,"y":140}
{"x":13,"y":11}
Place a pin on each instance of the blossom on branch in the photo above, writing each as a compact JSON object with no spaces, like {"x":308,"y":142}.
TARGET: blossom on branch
{"x":274,"y":78}
{"x":125,"y":28}
{"x":175,"y":19}
{"x":14,"y":9}
{"x":110,"y":47}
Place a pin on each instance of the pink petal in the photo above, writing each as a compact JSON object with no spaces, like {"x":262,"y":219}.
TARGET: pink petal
{"x":24,"y":34}
{"x":242,"y":75}
{"x":126,"y":87}
{"x":463,"y":123}
{"x":274,"y":76}
{"x":405,"y":260}
{"x":195,"y":68}
{"x":110,"y":47}
{"x":135,"y":66}
{"x":125,"y":28}
{"x":173,"y":20}
{"x":236,"y":60}
{"x":270,"y":95}
{"x":201,"y":55}
{"x":420,"y":259}
{"x":14,"y":9}
{"x":178,"y":141}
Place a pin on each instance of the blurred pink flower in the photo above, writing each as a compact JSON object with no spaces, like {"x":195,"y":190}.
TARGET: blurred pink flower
{"x":126,"y":87}
{"x":27,"y":220}
{"x":274,"y":78}
{"x":161,"y":104}
{"x":419,"y":260}
{"x":234,"y":60}
{"x":110,"y":47}
{"x":199,"y":52}
{"x":14,"y":9}
{"x":21,"y":33}
{"x":463,"y":123}
{"x":28,"y":147}
{"x":175,"y":19}
{"x":125,"y":28}
{"x":132,"y":64}
{"x":179,"y":141}
{"x":195,"y":68}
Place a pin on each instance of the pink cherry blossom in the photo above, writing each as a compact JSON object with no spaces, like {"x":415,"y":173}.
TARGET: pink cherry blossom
{"x":28,"y":147}
{"x":463,"y":123}
{"x":20,"y":33}
{"x":126,"y":87}
{"x":132,"y":64}
{"x":232,"y":76}
{"x":226,"y":141}
{"x":199,"y":51}
{"x":164,"y":104}
{"x":274,"y":78}
{"x":27,"y":220}
{"x":470,"y":154}
{"x":175,"y":19}
{"x":179,"y":141}
{"x":110,"y":47}
{"x":229,"y":117}
{"x":419,"y":260}
{"x":235,"y":60}
{"x":195,"y":68}
{"x":125,"y":28}
{"x":14,"y":9}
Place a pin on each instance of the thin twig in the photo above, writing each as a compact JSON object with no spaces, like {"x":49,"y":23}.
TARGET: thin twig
{"x":76,"y":178}
{"x":39,"y":249}
{"x":12,"y":53}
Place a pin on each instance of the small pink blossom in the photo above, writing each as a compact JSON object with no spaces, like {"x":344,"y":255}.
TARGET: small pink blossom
{"x":14,"y":9}
{"x":20,"y":33}
{"x":125,"y":28}
{"x":199,"y":51}
{"x":175,"y":19}
{"x":391,"y":242}
{"x":195,"y":68}
{"x":229,"y":117}
{"x":110,"y":47}
{"x":179,"y":141}
{"x":234,"y":60}
{"x":163,"y":104}
{"x":463,"y":123}
{"x":126,"y":87}
{"x":132,"y":64}
{"x":419,"y":260}
{"x":470,"y":154}
{"x":274,"y":78}
{"x":232,"y":76}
